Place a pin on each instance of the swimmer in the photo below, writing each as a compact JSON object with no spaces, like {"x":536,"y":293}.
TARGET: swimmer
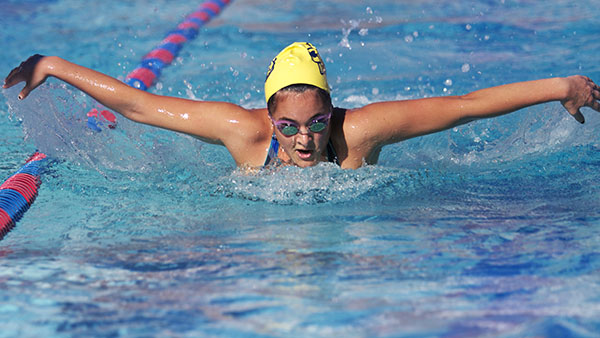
{"x":300,"y":126}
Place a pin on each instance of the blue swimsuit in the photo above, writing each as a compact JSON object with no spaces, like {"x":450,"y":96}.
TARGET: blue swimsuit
{"x":274,"y":148}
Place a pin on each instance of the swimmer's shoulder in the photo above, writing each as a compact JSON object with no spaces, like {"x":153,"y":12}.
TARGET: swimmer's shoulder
{"x":350,"y":123}
{"x":352,"y":139}
{"x":252,"y":133}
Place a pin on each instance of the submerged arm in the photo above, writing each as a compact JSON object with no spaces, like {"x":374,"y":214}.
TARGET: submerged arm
{"x":391,"y":122}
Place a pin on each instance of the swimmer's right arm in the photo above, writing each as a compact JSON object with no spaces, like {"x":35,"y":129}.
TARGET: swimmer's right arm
{"x":215,"y":122}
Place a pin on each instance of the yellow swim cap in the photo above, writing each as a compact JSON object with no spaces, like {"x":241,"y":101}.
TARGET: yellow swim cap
{"x":298,"y":63}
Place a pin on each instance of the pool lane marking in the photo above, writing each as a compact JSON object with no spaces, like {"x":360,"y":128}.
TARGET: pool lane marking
{"x":153,"y":63}
{"x":19,"y":191}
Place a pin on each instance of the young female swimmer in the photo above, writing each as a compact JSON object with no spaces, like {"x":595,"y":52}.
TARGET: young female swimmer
{"x":300,"y":126}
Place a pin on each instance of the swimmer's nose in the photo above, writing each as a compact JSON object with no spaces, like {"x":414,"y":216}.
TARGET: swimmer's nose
{"x":305,"y":140}
{"x":304,"y":137}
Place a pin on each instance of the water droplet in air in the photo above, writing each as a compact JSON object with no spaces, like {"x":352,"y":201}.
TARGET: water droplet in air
{"x":465,"y":68}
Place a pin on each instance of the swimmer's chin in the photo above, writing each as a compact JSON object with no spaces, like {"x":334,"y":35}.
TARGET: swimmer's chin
{"x":251,"y":170}
{"x":306,"y":164}
{"x":302,"y":163}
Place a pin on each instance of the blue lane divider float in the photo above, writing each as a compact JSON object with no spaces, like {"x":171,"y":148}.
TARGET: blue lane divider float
{"x":19,"y":191}
{"x":152,"y":64}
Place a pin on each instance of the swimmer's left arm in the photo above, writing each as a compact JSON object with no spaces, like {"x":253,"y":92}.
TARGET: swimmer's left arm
{"x":390,"y":122}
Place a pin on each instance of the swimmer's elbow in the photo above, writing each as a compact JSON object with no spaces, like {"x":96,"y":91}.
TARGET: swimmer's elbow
{"x":466,"y":108}
{"x":139,"y":108}
{"x":136,"y":116}
{"x":132,"y":113}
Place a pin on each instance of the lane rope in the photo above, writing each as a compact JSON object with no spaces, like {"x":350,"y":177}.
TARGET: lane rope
{"x":153,"y":63}
{"x":19,"y":191}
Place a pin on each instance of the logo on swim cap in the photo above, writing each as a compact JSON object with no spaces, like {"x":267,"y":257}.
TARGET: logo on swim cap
{"x":298,"y":63}
{"x":271,"y":66}
{"x":314,"y":54}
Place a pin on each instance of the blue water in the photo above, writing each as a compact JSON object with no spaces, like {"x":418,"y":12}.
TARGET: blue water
{"x":491,"y":229}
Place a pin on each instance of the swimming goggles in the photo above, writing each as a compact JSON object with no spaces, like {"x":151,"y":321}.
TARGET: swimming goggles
{"x":289,"y":128}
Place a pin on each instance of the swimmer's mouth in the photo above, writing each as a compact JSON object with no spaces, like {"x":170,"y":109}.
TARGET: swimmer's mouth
{"x":304,"y":154}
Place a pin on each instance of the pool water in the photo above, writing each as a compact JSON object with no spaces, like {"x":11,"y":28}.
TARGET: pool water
{"x":488,"y":229}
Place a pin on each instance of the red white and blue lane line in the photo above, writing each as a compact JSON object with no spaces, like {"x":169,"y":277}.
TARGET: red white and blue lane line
{"x":152,"y":64}
{"x":19,"y":191}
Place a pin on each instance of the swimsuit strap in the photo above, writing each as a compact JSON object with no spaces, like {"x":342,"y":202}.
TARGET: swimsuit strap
{"x":274,"y":148}
{"x":331,"y":154}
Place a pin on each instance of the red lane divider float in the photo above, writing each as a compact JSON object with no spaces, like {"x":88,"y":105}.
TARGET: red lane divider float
{"x":152,"y":64}
{"x":19,"y":191}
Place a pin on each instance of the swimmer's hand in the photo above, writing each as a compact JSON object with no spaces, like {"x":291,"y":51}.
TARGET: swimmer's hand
{"x":27,"y":72}
{"x":581,"y":92}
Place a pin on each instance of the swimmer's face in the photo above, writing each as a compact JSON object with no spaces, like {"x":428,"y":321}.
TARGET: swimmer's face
{"x":306,"y":148}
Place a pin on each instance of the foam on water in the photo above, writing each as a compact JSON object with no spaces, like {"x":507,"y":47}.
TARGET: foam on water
{"x":324,"y":183}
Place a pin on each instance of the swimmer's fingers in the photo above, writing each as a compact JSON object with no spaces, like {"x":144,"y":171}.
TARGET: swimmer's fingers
{"x":591,"y":99}
{"x":583,"y":93}
{"x":595,"y":102}
{"x":578,"y":116}
{"x":15,"y":76}
{"x":25,"y":72}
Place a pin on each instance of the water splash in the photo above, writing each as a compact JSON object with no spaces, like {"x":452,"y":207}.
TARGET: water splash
{"x":349,"y":27}
{"x":323,"y":183}
{"x":536,"y":132}
{"x":54,"y":119}
{"x":353,"y":24}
